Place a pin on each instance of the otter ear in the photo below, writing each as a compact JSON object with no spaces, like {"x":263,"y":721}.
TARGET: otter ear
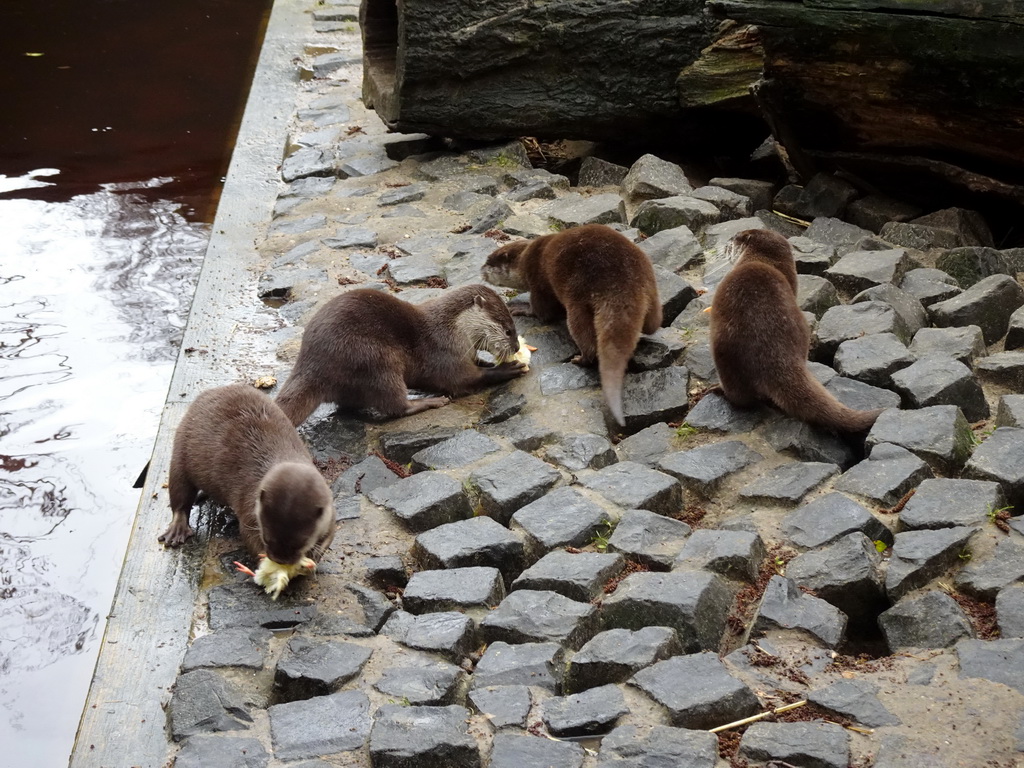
{"x":479,"y":300}
{"x":263,"y":496}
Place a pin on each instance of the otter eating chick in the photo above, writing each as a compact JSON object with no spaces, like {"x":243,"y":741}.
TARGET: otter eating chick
{"x":760,"y":338}
{"x":365,"y":349}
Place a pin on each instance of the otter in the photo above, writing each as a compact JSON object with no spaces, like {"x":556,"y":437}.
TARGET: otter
{"x":235,"y":444}
{"x":760,"y":338}
{"x":599,"y":281}
{"x":365,"y":349}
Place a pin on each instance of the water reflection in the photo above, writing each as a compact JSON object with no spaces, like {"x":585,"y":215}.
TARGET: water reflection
{"x":93,"y":296}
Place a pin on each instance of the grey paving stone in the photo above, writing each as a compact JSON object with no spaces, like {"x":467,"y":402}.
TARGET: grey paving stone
{"x":615,"y":655}
{"x":246,"y":605}
{"x":1001,"y":458}
{"x":969,"y":225}
{"x":453,"y":589}
{"x":476,"y":541}
{"x":504,"y":706}
{"x":1001,"y":661}
{"x":929,"y":620}
{"x":409,"y":270}
{"x":736,"y":554}
{"x":700,"y":362}
{"x":813,"y":744}
{"x":807,"y":442}
{"x":716,"y":414}
{"x":648,"y":445}
{"x":435,"y":684}
{"x":1010,"y":611}
{"x":502,"y":404}
{"x":857,"y":700}
{"x":367,"y":475}
{"x":386,"y":570}
{"x":650,"y":177}
{"x":948,"y":503}
{"x":971,"y":264}
{"x":631,"y":747}
{"x":204,"y":702}
{"x":939,"y":434}
{"x":930,"y":286}
{"x":812,"y":258}
{"x":789,"y":483}
{"x":566,"y":377}
{"x":409,"y":193}
{"x":963,"y":344}
{"x":464,"y":448}
{"x":661,"y":349}
{"x":986,"y":574}
{"x":846,"y":573}
{"x":859,"y":270}
{"x":554,"y":345}
{"x":583,"y":451}
{"x":920,"y":556}
{"x":595,"y":172}
{"x":653,"y":216}
{"x":281,"y":283}
{"x":988,"y":304}
{"x":785,"y":606}
{"x":335,"y":624}
{"x":1015,"y":331}
{"x":352,"y":237}
{"x":535,"y":664}
{"x":491,"y":217}
{"x":731,"y":204}
{"x":573,"y":210}
{"x":886,"y":476}
{"x":874,"y":211}
{"x":321,"y":726}
{"x":427,"y":737}
{"x":310,"y":186}
{"x":908,"y":307}
{"x":424,"y":500}
{"x":830,"y":517}
{"x":674,"y":249}
{"x":872,"y":359}
{"x":591,"y":712}
{"x":919,"y":236}
{"x":307,"y":162}
{"x":860,"y":396}
{"x":562,"y":518}
{"x":376,"y":607}
{"x":222,"y":751}
{"x":579,"y":576}
{"x":675,"y":292}
{"x":703,"y":469}
{"x":523,"y":432}
{"x":1003,"y":368}
{"x":833,"y":231}
{"x":535,"y":616}
{"x":824,"y":195}
{"x":634,"y":486}
{"x":694,"y":603}
{"x":939,"y":380}
{"x":309,"y":668}
{"x":697,"y":691}
{"x":760,"y":192}
{"x":537,"y":190}
{"x":510,"y":483}
{"x":523,"y":177}
{"x":815,"y":294}
{"x":449,"y":633}
{"x":851,"y":321}
{"x":648,"y":538}
{"x":296,"y":226}
{"x":228,"y":648}
{"x":365,"y":164}
{"x":526,"y":751}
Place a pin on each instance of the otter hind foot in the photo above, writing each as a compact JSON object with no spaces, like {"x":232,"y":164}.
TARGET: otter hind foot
{"x":178,"y":532}
{"x":425,"y":404}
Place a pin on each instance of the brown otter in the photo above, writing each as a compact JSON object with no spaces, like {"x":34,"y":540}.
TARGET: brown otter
{"x":760,"y":339}
{"x":235,"y":444}
{"x":365,"y":348}
{"x":599,"y":281}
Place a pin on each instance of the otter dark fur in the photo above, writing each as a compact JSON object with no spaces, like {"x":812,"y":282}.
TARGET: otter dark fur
{"x":235,"y":444}
{"x":599,"y":281}
{"x":760,"y":338}
{"x":365,"y":348}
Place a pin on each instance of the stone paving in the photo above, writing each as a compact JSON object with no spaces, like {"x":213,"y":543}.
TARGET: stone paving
{"x":514,"y":583}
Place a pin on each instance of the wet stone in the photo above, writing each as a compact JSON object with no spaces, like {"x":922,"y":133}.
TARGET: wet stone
{"x":885,"y":476}
{"x":1004,"y":368}
{"x":938,"y":434}
{"x":593,"y":711}
{"x":872,"y":359}
{"x":941,"y":381}
{"x":424,"y":500}
{"x":984,"y":576}
{"x":701,"y":363}
{"x":653,"y":216}
{"x":537,"y":190}
{"x":554,"y":345}
{"x":502,"y":404}
{"x":578,"y":576}
{"x":789,"y":483}
{"x":920,"y":556}
{"x":828,"y":518}
{"x":697,"y":691}
{"x":427,"y":737}
{"x":527,"y":751}
{"x":376,"y":607}
{"x":1001,"y":458}
{"x":321,"y":726}
{"x":492,"y":216}
{"x":503,"y":705}
{"x":909,"y":309}
{"x":1009,"y":611}
{"x":715,"y":413}
{"x":736,"y":554}
{"x":846,"y":573}
{"x":573,"y":210}
{"x":988,"y":304}
{"x":634,"y":486}
{"x":815,"y":294}
{"x":817,"y":744}
{"x":808,"y":442}
{"x":386,"y":570}
{"x":962,"y":344}
{"x":945,"y":503}
{"x":335,"y":624}
{"x":584,"y":451}
{"x":649,"y":539}
{"x":512,"y":482}
{"x":857,"y":700}
{"x":674,"y":249}
{"x":534,"y":664}
{"x":703,"y":469}
{"x":246,"y":605}
{"x":812,"y":258}
{"x":369,"y":474}
{"x":335,"y":437}
{"x":648,"y":445}
{"x":631,"y":747}
{"x":785,"y":606}
{"x":523,"y":432}
{"x":661,"y":349}
{"x":651,"y":177}
{"x":615,"y":655}
{"x":228,"y":648}
{"x":566,"y":377}
{"x":674,"y":291}
{"x":449,"y":632}
{"x":859,"y":270}
{"x":204,"y":702}
{"x":694,"y":603}
{"x":562,"y":518}
{"x":222,"y":751}
{"x":535,"y":616}
{"x":595,"y":172}
{"x":860,"y":396}
{"x":1001,"y":661}
{"x":435,"y":685}
{"x":851,"y":321}
{"x":478,"y":541}
{"x":308,"y":668}
{"x":454,"y":589}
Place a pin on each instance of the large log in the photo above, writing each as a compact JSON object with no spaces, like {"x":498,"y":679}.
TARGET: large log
{"x":589,"y":69}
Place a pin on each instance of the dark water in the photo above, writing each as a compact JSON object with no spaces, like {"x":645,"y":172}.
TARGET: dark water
{"x":113,"y":144}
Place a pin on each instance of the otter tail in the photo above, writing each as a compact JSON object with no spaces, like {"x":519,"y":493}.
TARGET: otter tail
{"x":617,"y":335}
{"x":297,"y":399}
{"x":809,"y":401}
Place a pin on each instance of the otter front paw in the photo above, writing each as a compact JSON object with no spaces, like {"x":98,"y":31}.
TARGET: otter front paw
{"x":177,"y":533}
{"x":505,"y":372}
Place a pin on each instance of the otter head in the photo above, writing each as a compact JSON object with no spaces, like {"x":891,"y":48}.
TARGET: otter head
{"x":761,"y":245}
{"x":294,"y":512}
{"x":502,"y":266}
{"x":488,"y":324}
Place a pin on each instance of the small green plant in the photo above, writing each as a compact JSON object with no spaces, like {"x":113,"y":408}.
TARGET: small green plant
{"x":780,"y":564}
{"x":880,"y":545}
{"x":965,"y":555}
{"x":602,"y":535}
{"x":994,"y":513}
{"x":686,"y":430}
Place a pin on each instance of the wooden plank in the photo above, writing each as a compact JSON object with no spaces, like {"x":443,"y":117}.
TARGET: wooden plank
{"x":147,"y":632}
